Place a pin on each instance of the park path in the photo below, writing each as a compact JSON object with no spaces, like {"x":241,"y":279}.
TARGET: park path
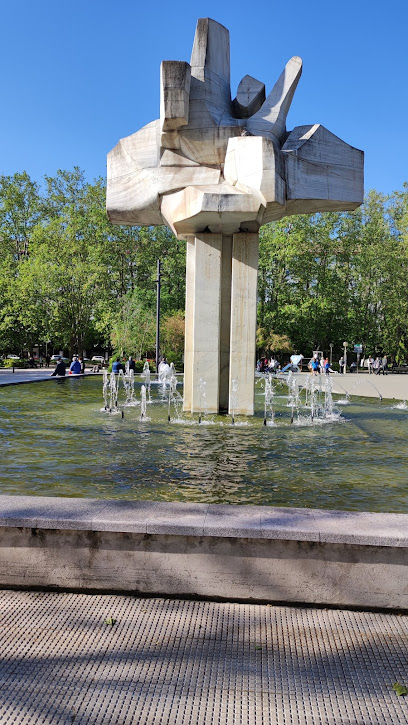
{"x":7,"y":377}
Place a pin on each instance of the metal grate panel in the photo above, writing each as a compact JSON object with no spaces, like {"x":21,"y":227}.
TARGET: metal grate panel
{"x":170,"y":662}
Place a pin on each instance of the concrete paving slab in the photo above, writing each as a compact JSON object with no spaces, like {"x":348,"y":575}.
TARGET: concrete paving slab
{"x":288,"y":524}
{"x":174,"y":662}
{"x":49,"y":512}
{"x":125,"y":516}
{"x":227,"y":520}
{"x":369,"y":529}
{"x":183,"y":519}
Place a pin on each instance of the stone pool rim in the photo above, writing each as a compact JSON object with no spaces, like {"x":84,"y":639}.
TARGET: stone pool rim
{"x":210,"y":551}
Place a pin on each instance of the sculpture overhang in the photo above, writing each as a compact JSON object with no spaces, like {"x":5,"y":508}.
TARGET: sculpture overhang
{"x":219,"y":165}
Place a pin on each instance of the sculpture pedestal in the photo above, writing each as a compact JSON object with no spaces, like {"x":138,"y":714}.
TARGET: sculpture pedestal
{"x":221,"y":293}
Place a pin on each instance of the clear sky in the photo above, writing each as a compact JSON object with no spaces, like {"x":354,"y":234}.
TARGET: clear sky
{"x":78,"y":75}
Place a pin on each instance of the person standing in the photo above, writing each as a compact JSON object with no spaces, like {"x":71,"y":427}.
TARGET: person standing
{"x":131,"y":365}
{"x":384,"y":365}
{"x":314,"y":365}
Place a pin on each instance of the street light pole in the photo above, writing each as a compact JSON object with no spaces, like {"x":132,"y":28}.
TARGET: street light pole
{"x":345,"y":357}
{"x":158,"y":284}
{"x":331,"y":353}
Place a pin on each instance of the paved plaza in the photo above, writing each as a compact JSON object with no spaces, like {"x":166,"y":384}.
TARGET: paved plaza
{"x":174,"y":662}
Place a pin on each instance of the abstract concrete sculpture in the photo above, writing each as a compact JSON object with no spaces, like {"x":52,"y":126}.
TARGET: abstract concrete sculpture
{"x":214,"y":170}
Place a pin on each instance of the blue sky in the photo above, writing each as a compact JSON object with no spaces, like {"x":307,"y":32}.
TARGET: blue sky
{"x":79,"y":75}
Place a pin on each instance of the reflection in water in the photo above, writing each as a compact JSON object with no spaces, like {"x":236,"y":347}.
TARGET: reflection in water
{"x":55,"y":440}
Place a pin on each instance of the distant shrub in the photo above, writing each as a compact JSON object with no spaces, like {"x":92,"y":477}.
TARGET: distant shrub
{"x":14,"y":363}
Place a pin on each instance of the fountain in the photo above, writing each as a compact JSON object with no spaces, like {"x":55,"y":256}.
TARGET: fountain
{"x":214,"y":170}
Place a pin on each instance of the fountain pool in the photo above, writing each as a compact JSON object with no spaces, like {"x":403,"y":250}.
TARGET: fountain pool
{"x":57,"y":440}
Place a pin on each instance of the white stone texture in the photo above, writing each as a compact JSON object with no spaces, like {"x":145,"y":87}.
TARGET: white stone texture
{"x":250,"y":97}
{"x":243,"y":322}
{"x":175,"y":77}
{"x":322,"y":172}
{"x":270,"y":120}
{"x":206,"y":323}
{"x":202,"y":207}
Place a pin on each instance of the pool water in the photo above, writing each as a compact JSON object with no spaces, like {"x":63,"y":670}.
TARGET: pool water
{"x":56,"y":440}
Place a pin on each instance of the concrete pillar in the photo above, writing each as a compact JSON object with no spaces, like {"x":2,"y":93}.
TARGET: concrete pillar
{"x":189,"y":324}
{"x":203,"y":317}
{"x":243,"y":322}
{"x":221,"y":292}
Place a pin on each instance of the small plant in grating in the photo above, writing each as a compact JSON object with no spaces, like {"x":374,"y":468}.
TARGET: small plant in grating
{"x":110,"y":621}
{"x":400,"y":690}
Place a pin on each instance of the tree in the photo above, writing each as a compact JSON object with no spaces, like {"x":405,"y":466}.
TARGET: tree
{"x":133,"y":329}
{"x":173,"y":337}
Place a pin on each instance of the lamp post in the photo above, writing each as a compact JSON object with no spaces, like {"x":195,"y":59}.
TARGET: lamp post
{"x":345,"y":344}
{"x":331,"y":353}
{"x":158,"y":283}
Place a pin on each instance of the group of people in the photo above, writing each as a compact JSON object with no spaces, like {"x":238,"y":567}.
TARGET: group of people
{"x":319,"y":365}
{"x":77,"y":367}
{"x":377,"y":366}
{"x":118,"y":365}
{"x":264,"y":365}
{"x":374,"y":366}
{"x":39,"y":362}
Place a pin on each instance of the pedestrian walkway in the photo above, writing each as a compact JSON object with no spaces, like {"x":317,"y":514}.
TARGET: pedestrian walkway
{"x":77,"y":658}
{"x":391,"y":386}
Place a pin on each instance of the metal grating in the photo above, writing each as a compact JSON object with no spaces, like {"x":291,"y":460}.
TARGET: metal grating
{"x":170,"y":662}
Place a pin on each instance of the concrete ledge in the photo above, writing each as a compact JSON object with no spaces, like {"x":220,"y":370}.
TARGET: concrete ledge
{"x":252,"y":553}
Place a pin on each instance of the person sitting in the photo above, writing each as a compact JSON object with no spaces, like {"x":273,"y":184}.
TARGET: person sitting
{"x":75,"y":367}
{"x":131,"y":364}
{"x":117,"y":366}
{"x":60,"y":368}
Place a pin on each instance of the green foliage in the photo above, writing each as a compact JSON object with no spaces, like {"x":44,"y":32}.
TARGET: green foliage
{"x":332,"y":277}
{"x":13,"y":363}
{"x":400,"y":690}
{"x":71,"y":279}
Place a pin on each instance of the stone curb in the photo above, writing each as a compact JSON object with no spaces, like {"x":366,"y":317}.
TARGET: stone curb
{"x":205,"y":520}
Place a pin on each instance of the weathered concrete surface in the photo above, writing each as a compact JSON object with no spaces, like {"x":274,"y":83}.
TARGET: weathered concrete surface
{"x":250,"y":553}
{"x":172,"y":662}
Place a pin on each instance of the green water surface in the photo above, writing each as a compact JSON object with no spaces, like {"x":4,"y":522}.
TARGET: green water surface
{"x":56,"y":440}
